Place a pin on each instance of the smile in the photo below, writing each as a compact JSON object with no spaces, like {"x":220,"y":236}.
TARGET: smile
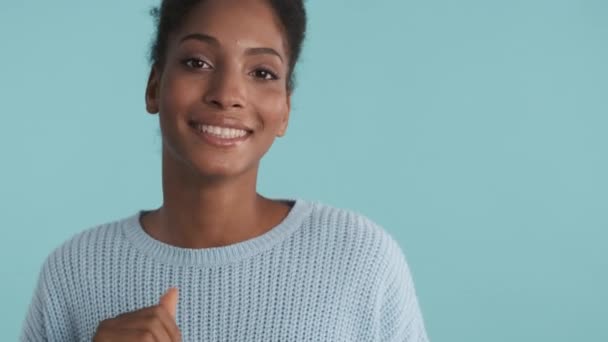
{"x":220,"y":136}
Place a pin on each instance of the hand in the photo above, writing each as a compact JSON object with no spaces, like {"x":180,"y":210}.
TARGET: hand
{"x":155,"y":323}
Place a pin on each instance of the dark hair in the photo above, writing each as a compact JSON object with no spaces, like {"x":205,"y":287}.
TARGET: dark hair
{"x":171,"y":13}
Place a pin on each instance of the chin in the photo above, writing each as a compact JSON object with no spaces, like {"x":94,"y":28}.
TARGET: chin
{"x":208,"y":164}
{"x":219,"y":169}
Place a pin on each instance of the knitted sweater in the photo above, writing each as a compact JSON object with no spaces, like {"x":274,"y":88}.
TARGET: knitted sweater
{"x":322,"y":274}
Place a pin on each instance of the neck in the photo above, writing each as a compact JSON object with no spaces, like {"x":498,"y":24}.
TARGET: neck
{"x":204,"y":213}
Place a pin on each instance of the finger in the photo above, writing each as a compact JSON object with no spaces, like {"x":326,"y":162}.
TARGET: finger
{"x":152,"y":333}
{"x":169,"y":325}
{"x":169,"y":301}
{"x":153,"y":322}
{"x":155,"y":319}
{"x":132,"y":334}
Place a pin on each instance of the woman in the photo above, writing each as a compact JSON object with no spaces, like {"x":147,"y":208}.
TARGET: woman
{"x":237,"y":266}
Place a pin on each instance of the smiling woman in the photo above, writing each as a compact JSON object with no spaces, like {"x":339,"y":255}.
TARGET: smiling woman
{"x":237,"y":266}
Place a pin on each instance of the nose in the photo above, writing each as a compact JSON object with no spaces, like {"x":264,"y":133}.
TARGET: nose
{"x":226,"y":90}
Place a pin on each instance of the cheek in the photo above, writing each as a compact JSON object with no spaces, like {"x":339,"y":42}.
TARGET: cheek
{"x":272,"y":106}
{"x":176,"y":95}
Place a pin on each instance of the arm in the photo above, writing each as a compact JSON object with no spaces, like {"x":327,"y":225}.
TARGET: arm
{"x":400,"y":316}
{"x":34,"y":328}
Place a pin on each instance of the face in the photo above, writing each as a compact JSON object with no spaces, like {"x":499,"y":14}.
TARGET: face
{"x":226,"y":66}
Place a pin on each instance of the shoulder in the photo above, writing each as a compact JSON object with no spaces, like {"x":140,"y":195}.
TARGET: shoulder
{"x":358,"y":231}
{"x":77,"y":252}
{"x":348,"y":221}
{"x":348,"y":237}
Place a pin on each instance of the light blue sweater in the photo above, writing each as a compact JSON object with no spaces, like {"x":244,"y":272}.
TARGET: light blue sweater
{"x":322,"y":274}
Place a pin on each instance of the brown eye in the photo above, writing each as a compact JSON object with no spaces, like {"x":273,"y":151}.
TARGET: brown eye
{"x":196,"y":63}
{"x":264,"y":74}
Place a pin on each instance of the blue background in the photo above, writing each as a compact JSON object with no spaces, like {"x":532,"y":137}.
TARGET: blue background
{"x":473,"y":131}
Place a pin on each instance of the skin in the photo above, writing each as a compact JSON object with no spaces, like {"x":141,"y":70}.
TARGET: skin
{"x":155,"y":323}
{"x":209,"y":193}
{"x":238,"y":71}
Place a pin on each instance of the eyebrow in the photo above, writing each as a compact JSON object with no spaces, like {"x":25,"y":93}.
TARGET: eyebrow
{"x":213,"y":41}
{"x":200,"y":37}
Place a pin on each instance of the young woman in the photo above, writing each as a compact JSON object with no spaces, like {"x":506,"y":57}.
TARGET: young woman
{"x":217,"y":261}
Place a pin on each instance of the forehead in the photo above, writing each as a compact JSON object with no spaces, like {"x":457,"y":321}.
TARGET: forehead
{"x":236,"y":23}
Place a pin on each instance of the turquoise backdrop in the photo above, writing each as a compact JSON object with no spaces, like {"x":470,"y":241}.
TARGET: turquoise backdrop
{"x":474,"y":131}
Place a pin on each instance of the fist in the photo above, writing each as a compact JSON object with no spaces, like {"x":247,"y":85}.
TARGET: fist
{"x":155,"y":323}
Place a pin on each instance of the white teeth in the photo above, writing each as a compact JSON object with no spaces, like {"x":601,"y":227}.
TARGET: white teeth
{"x":222,"y":132}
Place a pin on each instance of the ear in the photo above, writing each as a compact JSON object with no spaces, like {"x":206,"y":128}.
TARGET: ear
{"x":285,"y":120}
{"x":152,"y":91}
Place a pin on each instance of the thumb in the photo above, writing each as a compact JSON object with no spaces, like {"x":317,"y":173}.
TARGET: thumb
{"x":169,"y":300}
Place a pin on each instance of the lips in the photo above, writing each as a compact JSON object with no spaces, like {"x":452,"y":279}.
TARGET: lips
{"x":217,"y":136}
{"x":224,"y":122}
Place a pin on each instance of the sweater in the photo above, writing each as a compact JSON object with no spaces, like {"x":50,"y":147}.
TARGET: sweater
{"x":321,"y":274}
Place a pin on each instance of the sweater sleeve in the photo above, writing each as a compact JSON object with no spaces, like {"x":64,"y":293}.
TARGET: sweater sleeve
{"x":34,"y":327}
{"x":399,"y":312}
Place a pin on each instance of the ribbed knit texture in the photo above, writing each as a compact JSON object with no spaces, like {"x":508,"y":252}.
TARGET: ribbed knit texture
{"x":322,"y":274}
